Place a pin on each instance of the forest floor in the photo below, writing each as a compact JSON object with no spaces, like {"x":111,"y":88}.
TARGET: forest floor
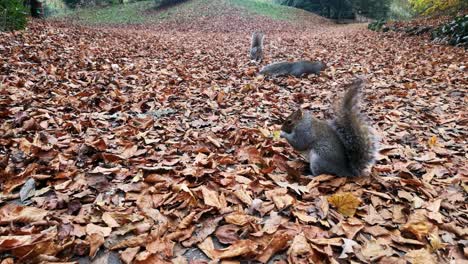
{"x":154,"y":143}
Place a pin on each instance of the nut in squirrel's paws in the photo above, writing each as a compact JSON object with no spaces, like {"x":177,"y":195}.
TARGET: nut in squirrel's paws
{"x":283,"y":134}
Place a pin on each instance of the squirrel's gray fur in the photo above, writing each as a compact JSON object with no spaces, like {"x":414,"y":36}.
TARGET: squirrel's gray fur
{"x":256,"y":47}
{"x":297,"y":68}
{"x":344,"y":146}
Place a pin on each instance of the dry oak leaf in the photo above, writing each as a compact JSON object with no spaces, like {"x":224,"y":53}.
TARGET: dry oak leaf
{"x":345,"y":203}
{"x":239,"y":218}
{"x":11,"y":242}
{"x":208,"y":227}
{"x":372,"y":250}
{"x":421,"y":256}
{"x":109,"y":220}
{"x":187,"y":220}
{"x":250,"y":154}
{"x":373,"y":217}
{"x":146,"y":257}
{"x":348,"y":247}
{"x":418,"y":225}
{"x":300,"y":251}
{"x":435,"y":242}
{"x":272,"y":223}
{"x":376,"y":230}
{"x":31,"y":245}
{"x":92,"y":229}
{"x":21,"y":214}
{"x":95,"y":242}
{"x":207,"y":247}
{"x":161,"y":246}
{"x":336,"y":241}
{"x":227,"y":234}
{"x":212,"y":198}
{"x":392,"y":260}
{"x":304,"y":217}
{"x":243,"y":195}
{"x":129,"y":254}
{"x":239,"y":248}
{"x":280,"y":198}
{"x":133,"y":241}
{"x":299,"y":189}
{"x":351,"y":228}
{"x":279,"y":242}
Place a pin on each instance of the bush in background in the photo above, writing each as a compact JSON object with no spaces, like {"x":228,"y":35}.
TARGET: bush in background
{"x":401,"y":10}
{"x":163,"y":3}
{"x":429,"y":7}
{"x":378,"y":25}
{"x":453,"y":33}
{"x":13,"y":15}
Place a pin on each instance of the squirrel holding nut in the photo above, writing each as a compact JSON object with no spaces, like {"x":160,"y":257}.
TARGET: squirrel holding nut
{"x":343,"y":146}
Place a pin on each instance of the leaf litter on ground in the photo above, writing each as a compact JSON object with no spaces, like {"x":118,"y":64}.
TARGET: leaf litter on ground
{"x":155,"y":143}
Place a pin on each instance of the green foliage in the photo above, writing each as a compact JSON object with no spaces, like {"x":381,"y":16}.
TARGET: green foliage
{"x":162,"y":3}
{"x":13,"y":15}
{"x":338,"y":9}
{"x":115,"y":14}
{"x":428,"y":7}
{"x":55,"y":7}
{"x":377,"y":25}
{"x":265,"y":8}
{"x":86,"y":3}
{"x":454,"y":33}
{"x":400,"y":10}
{"x":376,"y":9}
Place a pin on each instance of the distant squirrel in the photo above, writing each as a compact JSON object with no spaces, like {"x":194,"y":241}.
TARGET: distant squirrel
{"x":344,"y":146}
{"x":293,"y":68}
{"x":256,"y":47}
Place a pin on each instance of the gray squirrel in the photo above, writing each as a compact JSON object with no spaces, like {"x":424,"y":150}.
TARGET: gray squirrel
{"x":296,"y":69}
{"x":343,"y":146}
{"x":256,"y":47}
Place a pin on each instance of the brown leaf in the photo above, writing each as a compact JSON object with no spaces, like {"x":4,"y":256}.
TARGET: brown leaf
{"x":300,"y":250}
{"x":276,"y":244}
{"x":95,"y":229}
{"x":373,"y":250}
{"x":109,"y":220}
{"x":346,"y":203}
{"x":239,"y":248}
{"x":227,"y":234}
{"x":272,"y":223}
{"x":420,"y":256}
{"x":95,"y":240}
{"x":418,"y":225}
{"x":212,"y":198}
{"x":129,"y":254}
{"x":21,"y":214}
{"x":208,"y":227}
{"x":11,"y":242}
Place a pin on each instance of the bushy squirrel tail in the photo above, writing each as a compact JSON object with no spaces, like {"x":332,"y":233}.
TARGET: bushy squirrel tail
{"x":257,"y":39}
{"x":356,"y":135}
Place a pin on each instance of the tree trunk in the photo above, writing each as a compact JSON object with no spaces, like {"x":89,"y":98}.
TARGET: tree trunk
{"x":37,"y":9}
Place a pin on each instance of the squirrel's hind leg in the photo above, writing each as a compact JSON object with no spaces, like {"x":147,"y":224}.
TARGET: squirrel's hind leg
{"x":315,"y":163}
{"x":320,"y":165}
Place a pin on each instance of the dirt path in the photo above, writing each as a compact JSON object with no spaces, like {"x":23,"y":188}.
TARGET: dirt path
{"x":151,"y":143}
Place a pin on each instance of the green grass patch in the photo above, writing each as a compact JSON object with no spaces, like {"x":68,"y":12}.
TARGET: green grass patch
{"x":265,"y":8}
{"x":131,"y":13}
{"x":146,"y":11}
{"x":186,"y":9}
